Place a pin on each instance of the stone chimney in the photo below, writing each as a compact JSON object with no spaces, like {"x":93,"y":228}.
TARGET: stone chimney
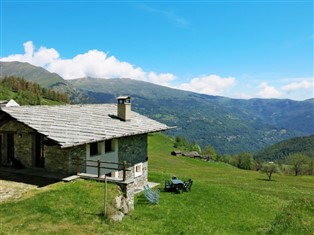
{"x":124,"y":108}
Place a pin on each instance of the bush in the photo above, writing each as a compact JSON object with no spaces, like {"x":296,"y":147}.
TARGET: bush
{"x":244,"y":161}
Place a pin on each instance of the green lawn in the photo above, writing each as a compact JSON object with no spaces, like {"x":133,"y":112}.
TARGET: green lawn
{"x":224,"y":200}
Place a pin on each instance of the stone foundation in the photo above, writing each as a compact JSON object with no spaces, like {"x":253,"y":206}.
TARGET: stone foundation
{"x":128,"y":191}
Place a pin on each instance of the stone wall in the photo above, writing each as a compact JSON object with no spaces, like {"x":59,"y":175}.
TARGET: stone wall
{"x":23,"y":149}
{"x":22,"y":142}
{"x":133,"y":149}
{"x":141,"y":180}
{"x":56,"y":159}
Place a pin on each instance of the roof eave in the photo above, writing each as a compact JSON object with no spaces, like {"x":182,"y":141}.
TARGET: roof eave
{"x":63,"y":146}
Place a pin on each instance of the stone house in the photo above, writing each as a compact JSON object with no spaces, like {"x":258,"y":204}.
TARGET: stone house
{"x":50,"y":137}
{"x":192,"y":154}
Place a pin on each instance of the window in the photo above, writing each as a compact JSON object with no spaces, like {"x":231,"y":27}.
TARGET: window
{"x":138,"y":170}
{"x":93,"y":149}
{"x":109,"y":147}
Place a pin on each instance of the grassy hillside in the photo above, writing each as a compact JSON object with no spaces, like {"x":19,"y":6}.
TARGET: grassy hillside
{"x":230,"y":125}
{"x":42,"y":77}
{"x":277,"y":152}
{"x":223,"y":200}
{"x":29,"y":93}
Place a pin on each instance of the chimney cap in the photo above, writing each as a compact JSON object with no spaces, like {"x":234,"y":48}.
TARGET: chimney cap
{"x":123,"y":97}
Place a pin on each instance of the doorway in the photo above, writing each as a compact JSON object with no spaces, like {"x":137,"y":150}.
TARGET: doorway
{"x":1,"y":149}
{"x":10,"y":147}
{"x":38,"y":151}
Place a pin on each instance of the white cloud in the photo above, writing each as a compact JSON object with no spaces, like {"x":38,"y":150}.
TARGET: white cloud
{"x":243,"y":95}
{"x":42,"y":57}
{"x":211,"y":85}
{"x":302,"y":85}
{"x":98,"y":64}
{"x":93,"y":63}
{"x":29,"y":50}
{"x":299,"y":88}
{"x":266,"y":91}
{"x":163,"y":79}
{"x":67,"y":69}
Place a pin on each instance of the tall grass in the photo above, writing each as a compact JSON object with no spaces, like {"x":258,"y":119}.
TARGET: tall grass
{"x":223,"y":200}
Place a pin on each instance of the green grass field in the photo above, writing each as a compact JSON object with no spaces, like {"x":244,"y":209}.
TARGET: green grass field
{"x":224,"y":200}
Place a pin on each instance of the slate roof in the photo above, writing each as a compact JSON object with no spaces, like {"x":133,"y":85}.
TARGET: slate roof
{"x":72,"y":125}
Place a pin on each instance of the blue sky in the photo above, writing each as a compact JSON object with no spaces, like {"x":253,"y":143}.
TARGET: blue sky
{"x":238,"y":49}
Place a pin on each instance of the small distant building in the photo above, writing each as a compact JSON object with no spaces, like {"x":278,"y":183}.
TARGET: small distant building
{"x":205,"y":157}
{"x":192,"y":154}
{"x":176,"y":153}
{"x":8,"y":103}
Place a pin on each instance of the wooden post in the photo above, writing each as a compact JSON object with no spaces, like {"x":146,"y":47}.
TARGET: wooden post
{"x":78,"y":165}
{"x":105,"y":197}
{"x":98,"y":168}
{"x":124,"y":170}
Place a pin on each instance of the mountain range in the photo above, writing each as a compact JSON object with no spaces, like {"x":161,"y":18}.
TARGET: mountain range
{"x":229,"y":125}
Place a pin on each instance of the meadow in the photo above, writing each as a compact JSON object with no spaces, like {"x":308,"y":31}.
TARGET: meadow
{"x":223,"y":200}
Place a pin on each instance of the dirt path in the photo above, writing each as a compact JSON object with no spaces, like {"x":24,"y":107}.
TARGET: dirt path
{"x":13,"y":186}
{"x":10,"y":190}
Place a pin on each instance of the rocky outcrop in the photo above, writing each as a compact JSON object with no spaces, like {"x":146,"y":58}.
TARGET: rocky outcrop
{"x":122,"y":206}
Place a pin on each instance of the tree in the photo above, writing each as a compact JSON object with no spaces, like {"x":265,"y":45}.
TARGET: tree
{"x":269,"y":169}
{"x":258,"y":165}
{"x":311,"y":167}
{"x":26,"y":92}
{"x":297,"y":161}
{"x":226,"y":158}
{"x":181,"y":142}
{"x":244,"y":161}
{"x":210,"y":150}
{"x":197,"y":148}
